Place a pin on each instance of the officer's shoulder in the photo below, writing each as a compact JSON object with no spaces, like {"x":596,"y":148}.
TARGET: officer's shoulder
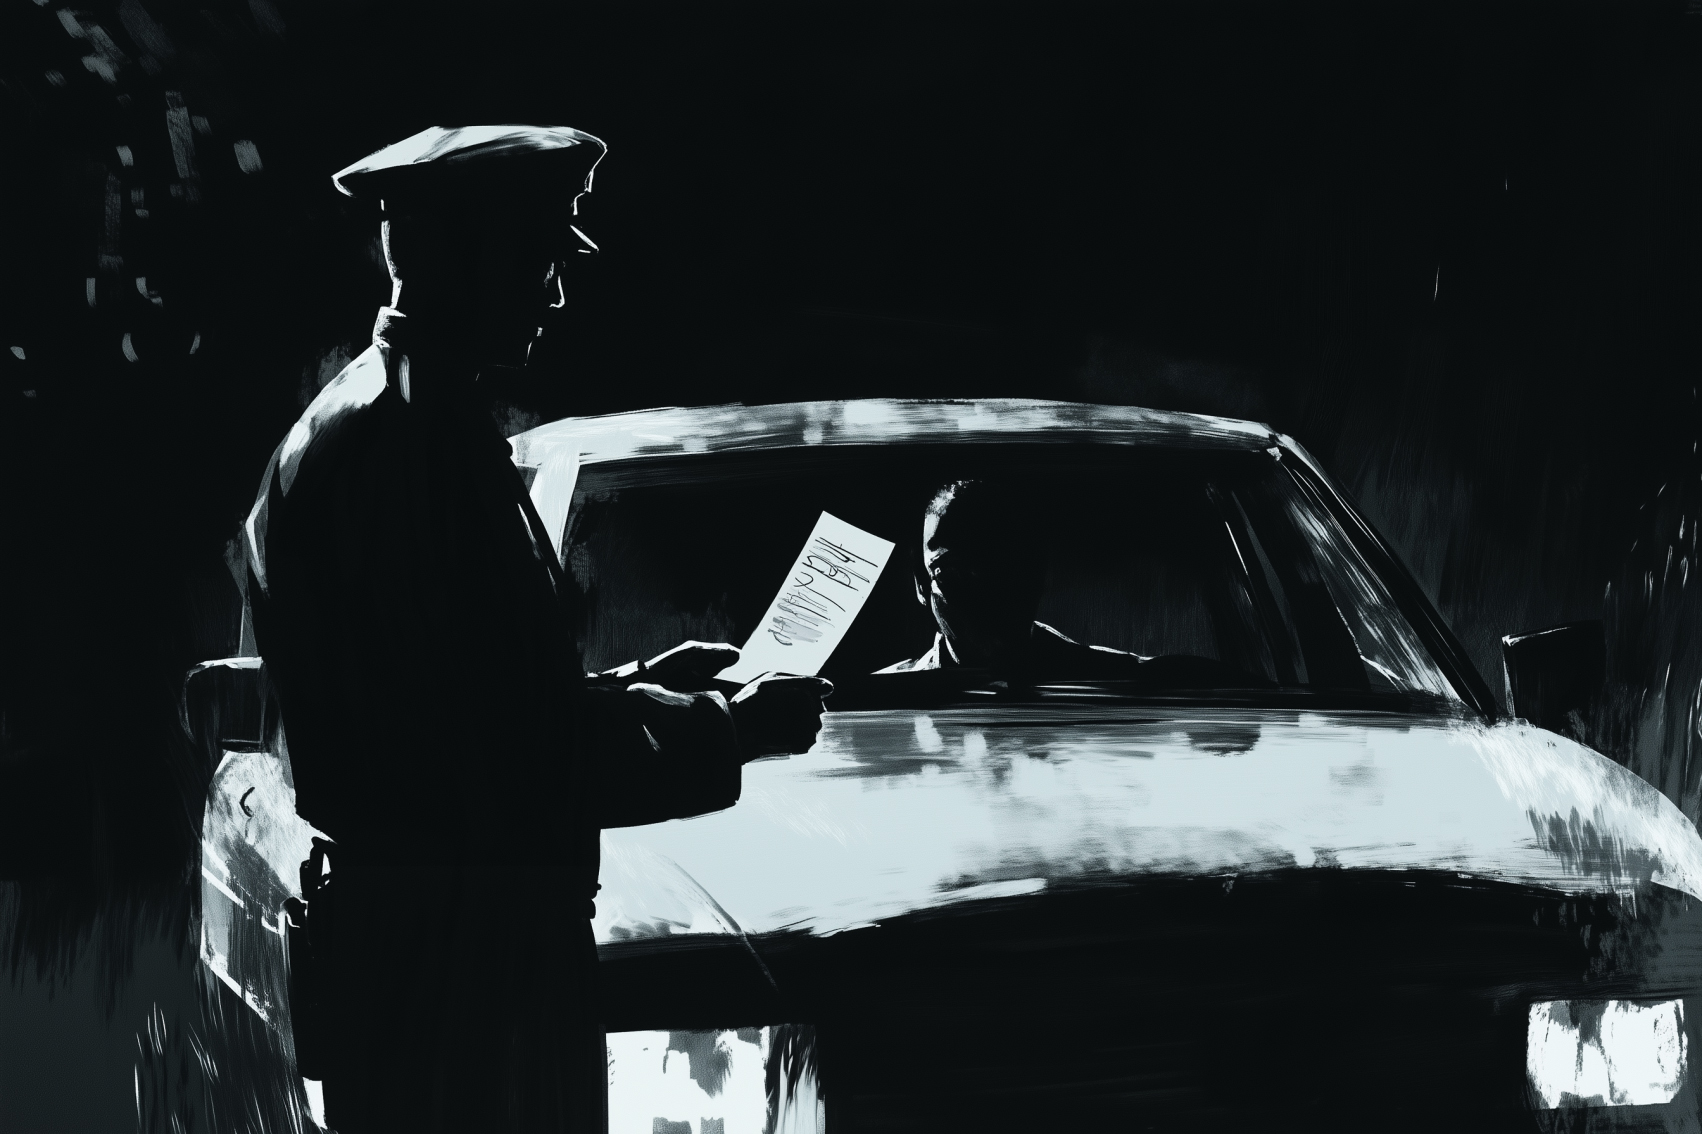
{"x":330,"y":420}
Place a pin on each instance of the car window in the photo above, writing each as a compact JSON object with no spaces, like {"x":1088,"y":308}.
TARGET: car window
{"x":1141,"y":564}
{"x":1333,"y":617}
{"x":1219,"y":564}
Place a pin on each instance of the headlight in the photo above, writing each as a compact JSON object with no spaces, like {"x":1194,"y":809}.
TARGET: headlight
{"x":1605,"y":1052}
{"x":714,"y":1081}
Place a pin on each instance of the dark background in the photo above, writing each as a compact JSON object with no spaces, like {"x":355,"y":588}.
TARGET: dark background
{"x":1451,"y":249}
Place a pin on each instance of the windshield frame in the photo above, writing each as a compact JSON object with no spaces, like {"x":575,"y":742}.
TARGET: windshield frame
{"x":1443,"y":649}
{"x":1409,"y":597}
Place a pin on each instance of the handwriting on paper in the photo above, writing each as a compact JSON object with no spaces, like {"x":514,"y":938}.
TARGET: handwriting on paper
{"x":822,"y":596}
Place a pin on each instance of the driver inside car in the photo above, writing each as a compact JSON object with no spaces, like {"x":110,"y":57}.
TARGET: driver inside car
{"x":982,"y":577}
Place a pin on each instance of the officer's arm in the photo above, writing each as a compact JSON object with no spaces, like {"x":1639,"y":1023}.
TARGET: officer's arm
{"x":689,"y":665}
{"x":658,"y":754}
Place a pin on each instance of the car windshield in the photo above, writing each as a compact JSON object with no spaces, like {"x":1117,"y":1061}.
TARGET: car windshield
{"x":1132,"y":571}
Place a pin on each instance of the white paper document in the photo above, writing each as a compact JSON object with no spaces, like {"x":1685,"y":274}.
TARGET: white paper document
{"x":822,"y":595}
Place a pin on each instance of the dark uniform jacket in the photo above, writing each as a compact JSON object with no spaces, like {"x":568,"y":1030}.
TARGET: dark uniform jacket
{"x":415,"y":620}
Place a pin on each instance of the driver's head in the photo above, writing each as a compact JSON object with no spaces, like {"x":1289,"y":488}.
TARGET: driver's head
{"x":981,"y":571}
{"x":480,"y":223}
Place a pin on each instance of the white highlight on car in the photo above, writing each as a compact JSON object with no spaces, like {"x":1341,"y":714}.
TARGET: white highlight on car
{"x":316,"y":1102}
{"x":552,"y":493}
{"x":251,"y":843}
{"x":917,"y":809}
{"x":1605,"y":1052}
{"x":704,"y":1083}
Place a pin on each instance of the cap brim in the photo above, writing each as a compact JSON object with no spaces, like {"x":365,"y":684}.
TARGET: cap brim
{"x":439,"y":163}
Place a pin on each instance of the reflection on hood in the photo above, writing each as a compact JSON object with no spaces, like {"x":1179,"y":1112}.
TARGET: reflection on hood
{"x":897,"y":811}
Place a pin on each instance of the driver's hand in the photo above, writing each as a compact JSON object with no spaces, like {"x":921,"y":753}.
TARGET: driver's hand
{"x":778,"y":714}
{"x":687,"y":668}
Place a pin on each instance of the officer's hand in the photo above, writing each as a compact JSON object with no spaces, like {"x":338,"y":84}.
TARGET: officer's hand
{"x":778,"y":714}
{"x":687,"y":668}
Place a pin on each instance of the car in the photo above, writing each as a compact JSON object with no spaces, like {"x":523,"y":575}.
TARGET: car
{"x":1348,"y":891}
{"x":1320,"y":880}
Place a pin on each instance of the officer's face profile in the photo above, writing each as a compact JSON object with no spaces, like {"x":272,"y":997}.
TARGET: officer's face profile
{"x":494,"y":273}
{"x":517,"y":280}
{"x":981,"y":575}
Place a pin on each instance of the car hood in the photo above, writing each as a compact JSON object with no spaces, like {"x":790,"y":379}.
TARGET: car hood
{"x":898,"y":811}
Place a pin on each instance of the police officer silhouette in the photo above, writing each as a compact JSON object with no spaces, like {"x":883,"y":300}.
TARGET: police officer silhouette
{"x":418,"y":627}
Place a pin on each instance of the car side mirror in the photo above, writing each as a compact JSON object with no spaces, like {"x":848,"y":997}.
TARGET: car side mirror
{"x":1555,"y":676}
{"x":228,"y":705}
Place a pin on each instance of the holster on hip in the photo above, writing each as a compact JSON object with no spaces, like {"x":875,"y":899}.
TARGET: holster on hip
{"x":310,"y":922}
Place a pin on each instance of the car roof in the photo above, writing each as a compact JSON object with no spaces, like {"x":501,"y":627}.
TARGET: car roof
{"x":878,"y":421}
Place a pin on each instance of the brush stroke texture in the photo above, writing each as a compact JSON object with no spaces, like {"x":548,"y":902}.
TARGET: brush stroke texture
{"x":719,"y":429}
{"x":895,"y":812}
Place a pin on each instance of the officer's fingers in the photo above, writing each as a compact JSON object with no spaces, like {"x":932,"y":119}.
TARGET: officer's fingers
{"x":794,"y":679}
{"x":713,"y":659}
{"x":801,"y":717}
{"x":707,"y":650}
{"x":805,"y":703}
{"x":769,"y":686}
{"x":697,"y":654}
{"x":803,"y":720}
{"x":696,"y":667}
{"x":788,"y":710}
{"x":803,"y":739}
{"x":810,"y":701}
{"x":794,"y":685}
